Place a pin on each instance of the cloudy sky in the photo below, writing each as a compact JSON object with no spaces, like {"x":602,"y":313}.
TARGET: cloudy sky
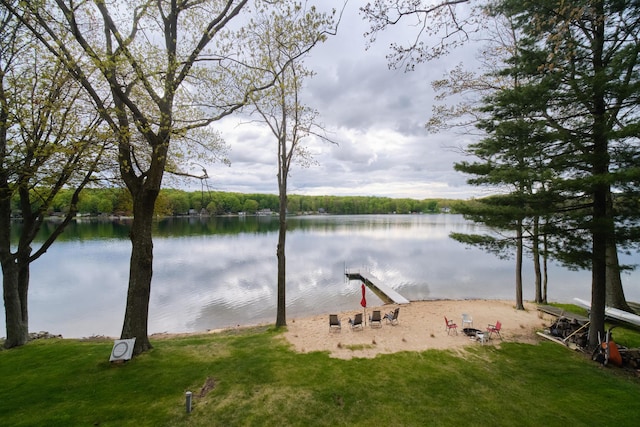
{"x":375,"y":115}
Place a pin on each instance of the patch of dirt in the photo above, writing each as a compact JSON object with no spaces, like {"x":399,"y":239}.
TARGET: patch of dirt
{"x":209,"y":385}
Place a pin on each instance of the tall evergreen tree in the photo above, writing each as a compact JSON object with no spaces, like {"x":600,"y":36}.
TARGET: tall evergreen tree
{"x":511,"y":157}
{"x":586,"y":59}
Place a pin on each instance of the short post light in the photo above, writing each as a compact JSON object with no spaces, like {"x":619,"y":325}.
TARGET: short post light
{"x":188,"y":399}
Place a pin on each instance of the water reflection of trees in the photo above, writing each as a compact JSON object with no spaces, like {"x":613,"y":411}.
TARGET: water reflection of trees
{"x":118,"y":228}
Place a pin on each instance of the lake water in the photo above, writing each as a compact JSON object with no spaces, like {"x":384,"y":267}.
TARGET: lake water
{"x":217,"y":272}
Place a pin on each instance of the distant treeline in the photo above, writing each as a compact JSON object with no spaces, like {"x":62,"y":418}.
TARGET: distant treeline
{"x":172,"y":202}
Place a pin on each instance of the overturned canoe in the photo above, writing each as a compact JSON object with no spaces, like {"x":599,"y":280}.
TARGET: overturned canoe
{"x":613,"y":313}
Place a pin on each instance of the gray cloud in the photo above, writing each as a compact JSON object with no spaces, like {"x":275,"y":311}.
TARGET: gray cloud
{"x":376,"y":116}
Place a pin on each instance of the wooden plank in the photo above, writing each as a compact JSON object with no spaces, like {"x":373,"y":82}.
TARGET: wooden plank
{"x":549,"y":309}
{"x":572,"y":346}
{"x":558,"y":312}
{"x":551,"y":338}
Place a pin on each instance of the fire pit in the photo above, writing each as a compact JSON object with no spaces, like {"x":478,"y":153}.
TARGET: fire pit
{"x":471,"y":332}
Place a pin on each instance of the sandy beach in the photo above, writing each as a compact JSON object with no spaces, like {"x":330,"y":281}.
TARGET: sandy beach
{"x":420,"y":326}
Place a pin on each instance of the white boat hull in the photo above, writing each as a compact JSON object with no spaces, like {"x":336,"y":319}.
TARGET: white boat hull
{"x":613,"y":313}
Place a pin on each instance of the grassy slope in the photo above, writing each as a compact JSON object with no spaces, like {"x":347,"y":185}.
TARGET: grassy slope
{"x":259,"y":381}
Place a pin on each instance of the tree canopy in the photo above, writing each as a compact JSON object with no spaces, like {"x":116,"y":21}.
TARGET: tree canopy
{"x":52,"y":141}
{"x":160,"y":73}
{"x":560,"y":136}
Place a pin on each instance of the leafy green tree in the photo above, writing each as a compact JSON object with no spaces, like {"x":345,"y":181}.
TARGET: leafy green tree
{"x":403,"y":206}
{"x":122,"y":202}
{"x":62,"y":201}
{"x":105,"y":206}
{"x":178,"y":201}
{"x":284,"y":40}
{"x":250,"y":206}
{"x":162,"y":205}
{"x":50,"y":147}
{"x":88,"y":204}
{"x":431,"y":206}
{"x":294,"y":203}
{"x":213,"y":208}
{"x":231,"y":203}
{"x":168,"y":71}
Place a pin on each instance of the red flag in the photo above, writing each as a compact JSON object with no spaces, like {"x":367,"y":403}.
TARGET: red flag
{"x":363,"y":301}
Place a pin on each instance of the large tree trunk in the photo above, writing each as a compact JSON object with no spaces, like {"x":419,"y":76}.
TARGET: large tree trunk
{"x":281,"y":316}
{"x":140,"y":270}
{"x":602,"y":226}
{"x":545,"y":269}
{"x":519,"y":302}
{"x":598,"y":288}
{"x":535,"y":247}
{"x":602,"y":234}
{"x":615,"y":294}
{"x":17,"y":328}
{"x":15,"y":281}
{"x":17,"y":324}
{"x":15,"y":308}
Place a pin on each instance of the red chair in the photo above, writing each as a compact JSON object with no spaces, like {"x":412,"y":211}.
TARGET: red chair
{"x":450,"y":326}
{"x":495,"y":329}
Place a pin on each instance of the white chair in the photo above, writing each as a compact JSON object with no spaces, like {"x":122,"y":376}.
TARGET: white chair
{"x":467,"y":320}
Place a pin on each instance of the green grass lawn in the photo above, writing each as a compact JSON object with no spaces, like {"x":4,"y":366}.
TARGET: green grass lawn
{"x":255,"y":378}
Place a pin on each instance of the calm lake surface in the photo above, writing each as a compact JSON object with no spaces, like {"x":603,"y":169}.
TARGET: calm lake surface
{"x":217,"y":272}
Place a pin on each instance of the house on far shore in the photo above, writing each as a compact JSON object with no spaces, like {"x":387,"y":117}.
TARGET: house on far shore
{"x":264,"y":212}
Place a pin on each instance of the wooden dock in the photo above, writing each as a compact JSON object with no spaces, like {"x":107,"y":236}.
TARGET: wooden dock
{"x":558,"y":312}
{"x":382,"y":290}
